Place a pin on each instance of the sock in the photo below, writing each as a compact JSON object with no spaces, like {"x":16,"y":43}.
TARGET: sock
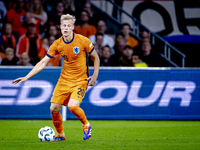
{"x":57,"y":121}
{"x":79,"y":113}
{"x":62,"y":135}
{"x":87,"y":124}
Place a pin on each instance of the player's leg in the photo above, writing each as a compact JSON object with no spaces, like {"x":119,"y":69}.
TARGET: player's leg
{"x":57,"y":120}
{"x":56,"y":117}
{"x":61,"y":96}
{"x":74,"y":103}
{"x":77,"y":111}
{"x":80,"y":114}
{"x":77,"y":95}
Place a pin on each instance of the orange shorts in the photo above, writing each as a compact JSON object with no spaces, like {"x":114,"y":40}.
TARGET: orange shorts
{"x":64,"y":92}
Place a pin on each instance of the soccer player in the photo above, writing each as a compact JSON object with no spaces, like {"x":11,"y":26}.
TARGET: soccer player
{"x":74,"y":77}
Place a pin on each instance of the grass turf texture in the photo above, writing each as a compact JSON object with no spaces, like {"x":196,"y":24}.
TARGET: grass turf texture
{"x":23,"y":134}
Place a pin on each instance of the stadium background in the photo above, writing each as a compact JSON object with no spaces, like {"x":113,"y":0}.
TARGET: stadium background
{"x":122,"y":93}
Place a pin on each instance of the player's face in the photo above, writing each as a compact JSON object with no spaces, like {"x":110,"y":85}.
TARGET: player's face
{"x":67,"y":27}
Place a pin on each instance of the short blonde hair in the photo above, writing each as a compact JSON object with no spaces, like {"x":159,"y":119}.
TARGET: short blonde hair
{"x":9,"y":49}
{"x":67,"y":17}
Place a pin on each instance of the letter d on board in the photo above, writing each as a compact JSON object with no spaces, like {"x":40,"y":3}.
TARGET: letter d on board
{"x":24,"y":98}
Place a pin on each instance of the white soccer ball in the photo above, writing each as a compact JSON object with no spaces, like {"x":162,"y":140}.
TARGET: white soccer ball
{"x":46,"y":134}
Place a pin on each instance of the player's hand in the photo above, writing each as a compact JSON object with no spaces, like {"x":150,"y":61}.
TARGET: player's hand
{"x":19,"y":80}
{"x":92,"y":81}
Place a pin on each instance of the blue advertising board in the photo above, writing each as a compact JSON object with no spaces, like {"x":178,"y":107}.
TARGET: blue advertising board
{"x":120,"y":93}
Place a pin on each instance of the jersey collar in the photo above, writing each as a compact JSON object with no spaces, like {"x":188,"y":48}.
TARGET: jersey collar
{"x":69,"y":41}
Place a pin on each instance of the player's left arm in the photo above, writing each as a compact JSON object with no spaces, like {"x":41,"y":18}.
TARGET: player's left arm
{"x":93,"y":78}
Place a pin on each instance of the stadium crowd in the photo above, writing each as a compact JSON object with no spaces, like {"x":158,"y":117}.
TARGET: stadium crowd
{"x":29,"y":27}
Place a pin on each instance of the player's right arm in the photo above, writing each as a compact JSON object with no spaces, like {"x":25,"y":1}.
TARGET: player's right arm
{"x":38,"y":67}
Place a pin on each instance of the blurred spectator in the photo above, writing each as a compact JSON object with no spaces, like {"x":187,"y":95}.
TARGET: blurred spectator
{"x":54,"y":16}
{"x":119,"y":45}
{"x":15,"y":17}
{"x":45,"y":48}
{"x":47,"y":42}
{"x":52,"y":31}
{"x":38,"y":13}
{"x":151,"y":57}
{"x":125,"y":29}
{"x":145,"y":36}
{"x":10,"y":59}
{"x":99,"y":39}
{"x":28,"y":18}
{"x":107,"y":40}
{"x":24,"y":60}
{"x":126,"y":58}
{"x":106,"y":59}
{"x":85,"y":28}
{"x":137,"y":60}
{"x":3,"y":12}
{"x":2,"y":56}
{"x":93,"y":18}
{"x":69,"y":7}
{"x":7,"y":39}
{"x":51,"y":39}
{"x":30,"y":43}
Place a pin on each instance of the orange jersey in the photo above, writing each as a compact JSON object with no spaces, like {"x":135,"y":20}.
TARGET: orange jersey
{"x":132,"y":42}
{"x":74,"y":53}
{"x":88,"y":31}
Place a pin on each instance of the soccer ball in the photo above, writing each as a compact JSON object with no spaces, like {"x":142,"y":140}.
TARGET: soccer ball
{"x":46,"y":134}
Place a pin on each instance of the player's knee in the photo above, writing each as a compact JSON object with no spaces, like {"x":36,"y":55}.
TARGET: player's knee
{"x":73,"y":102}
{"x":54,"y":108}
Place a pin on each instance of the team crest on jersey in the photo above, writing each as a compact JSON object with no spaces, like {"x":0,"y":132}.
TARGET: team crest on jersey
{"x":76,"y":50}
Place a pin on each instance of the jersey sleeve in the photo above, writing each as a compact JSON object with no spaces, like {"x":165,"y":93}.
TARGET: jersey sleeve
{"x":88,"y":46}
{"x":52,"y":50}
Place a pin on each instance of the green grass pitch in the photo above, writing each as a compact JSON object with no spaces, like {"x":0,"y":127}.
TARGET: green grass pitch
{"x":131,"y":135}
